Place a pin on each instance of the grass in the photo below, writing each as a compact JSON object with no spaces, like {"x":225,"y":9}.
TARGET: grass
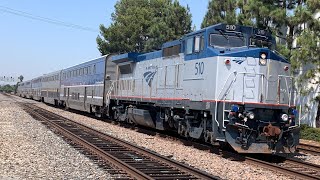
{"x":310,"y":133}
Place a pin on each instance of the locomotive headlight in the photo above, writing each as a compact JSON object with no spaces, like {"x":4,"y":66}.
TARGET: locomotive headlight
{"x":262,"y":62}
{"x":263,"y":59}
{"x":250,"y":115}
{"x":284,"y":117}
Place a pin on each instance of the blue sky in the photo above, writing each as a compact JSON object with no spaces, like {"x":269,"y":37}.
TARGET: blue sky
{"x":32,"y":48}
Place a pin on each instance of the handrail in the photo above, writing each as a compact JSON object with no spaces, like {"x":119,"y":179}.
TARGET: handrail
{"x":109,"y":93}
{"x":216,"y":107}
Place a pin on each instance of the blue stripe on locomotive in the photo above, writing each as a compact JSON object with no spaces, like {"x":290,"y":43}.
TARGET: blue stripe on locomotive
{"x":93,"y":78}
{"x":210,"y":51}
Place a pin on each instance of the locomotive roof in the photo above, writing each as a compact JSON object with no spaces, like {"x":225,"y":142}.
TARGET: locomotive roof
{"x":217,"y":28}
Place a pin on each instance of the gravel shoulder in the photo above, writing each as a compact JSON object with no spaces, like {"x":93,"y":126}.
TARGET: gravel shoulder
{"x":209,"y":162}
{"x":28,"y":150}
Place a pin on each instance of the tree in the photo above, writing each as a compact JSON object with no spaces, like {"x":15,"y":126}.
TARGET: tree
{"x":143,"y":25}
{"x":169,"y":23}
{"x":220,"y":12}
{"x":7,"y":88}
{"x":308,"y":44}
{"x":20,"y":78}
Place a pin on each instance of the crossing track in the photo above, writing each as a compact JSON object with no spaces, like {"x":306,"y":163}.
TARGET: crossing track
{"x":308,"y":148}
{"x":291,"y":166}
{"x":121,"y":157}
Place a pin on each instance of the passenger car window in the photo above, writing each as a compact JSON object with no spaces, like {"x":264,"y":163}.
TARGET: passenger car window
{"x":94,"y":69}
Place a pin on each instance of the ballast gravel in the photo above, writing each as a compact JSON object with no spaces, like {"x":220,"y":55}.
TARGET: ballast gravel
{"x":203,"y":160}
{"x":28,"y":150}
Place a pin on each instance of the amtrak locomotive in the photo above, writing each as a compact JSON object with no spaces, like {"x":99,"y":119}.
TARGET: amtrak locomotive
{"x":224,"y":83}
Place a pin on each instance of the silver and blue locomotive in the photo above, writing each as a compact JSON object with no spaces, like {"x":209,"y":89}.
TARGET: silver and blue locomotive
{"x":224,"y":83}
{"x":221,"y":84}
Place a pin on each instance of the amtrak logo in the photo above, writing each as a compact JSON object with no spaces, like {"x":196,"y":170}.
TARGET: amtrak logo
{"x":149,"y":75}
{"x":239,"y":60}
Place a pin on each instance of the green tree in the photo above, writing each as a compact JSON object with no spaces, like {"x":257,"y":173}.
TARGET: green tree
{"x":220,"y":11}
{"x":308,"y":43}
{"x":142,"y":25}
{"x":169,"y":23}
{"x":7,"y":88}
{"x":20,"y":78}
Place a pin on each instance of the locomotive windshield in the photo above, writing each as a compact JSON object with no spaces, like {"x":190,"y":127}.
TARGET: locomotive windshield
{"x":221,"y":40}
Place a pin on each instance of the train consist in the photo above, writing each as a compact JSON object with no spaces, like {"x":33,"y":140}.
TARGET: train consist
{"x":224,"y":83}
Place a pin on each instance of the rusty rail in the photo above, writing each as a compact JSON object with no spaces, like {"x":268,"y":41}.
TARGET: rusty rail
{"x":308,"y":148}
{"x":137,"y":162}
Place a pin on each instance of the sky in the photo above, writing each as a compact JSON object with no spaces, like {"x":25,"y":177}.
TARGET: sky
{"x":31,"y":48}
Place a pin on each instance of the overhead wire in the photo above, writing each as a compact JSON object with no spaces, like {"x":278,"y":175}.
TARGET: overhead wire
{"x":45,"y":19}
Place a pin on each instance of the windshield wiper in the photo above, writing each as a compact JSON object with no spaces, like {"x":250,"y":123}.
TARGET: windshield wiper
{"x":224,"y":35}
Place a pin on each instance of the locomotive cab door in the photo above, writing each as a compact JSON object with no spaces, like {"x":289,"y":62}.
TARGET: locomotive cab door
{"x":194,"y":69}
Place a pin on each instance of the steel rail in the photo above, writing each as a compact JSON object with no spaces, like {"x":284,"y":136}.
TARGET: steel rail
{"x":308,"y":148}
{"x":275,"y":167}
{"x":184,"y":168}
{"x":264,"y":164}
{"x":107,"y":157}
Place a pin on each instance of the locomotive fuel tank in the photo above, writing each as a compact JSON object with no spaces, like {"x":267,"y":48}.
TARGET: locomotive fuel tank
{"x":141,"y":117}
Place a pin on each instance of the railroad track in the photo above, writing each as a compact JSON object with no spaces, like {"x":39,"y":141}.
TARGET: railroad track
{"x":308,"y":148}
{"x":292,"y":167}
{"x":115,"y":155}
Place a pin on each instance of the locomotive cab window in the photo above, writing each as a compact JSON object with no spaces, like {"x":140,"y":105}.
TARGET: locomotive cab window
{"x":198,"y":44}
{"x":194,"y":45}
{"x":218,"y":40}
{"x":189,"y":46}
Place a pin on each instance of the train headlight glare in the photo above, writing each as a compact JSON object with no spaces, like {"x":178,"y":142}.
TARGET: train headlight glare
{"x":263,"y":56}
{"x":250,"y":115}
{"x":284,"y":117}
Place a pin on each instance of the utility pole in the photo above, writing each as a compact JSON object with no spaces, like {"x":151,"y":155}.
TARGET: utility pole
{"x":8,"y":79}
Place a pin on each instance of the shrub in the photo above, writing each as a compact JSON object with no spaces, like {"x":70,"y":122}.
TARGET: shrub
{"x":310,"y":133}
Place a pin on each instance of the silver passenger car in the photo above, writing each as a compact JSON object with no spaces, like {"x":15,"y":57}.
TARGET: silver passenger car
{"x":36,"y":88}
{"x":82,"y":86}
{"x":50,"y":89}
